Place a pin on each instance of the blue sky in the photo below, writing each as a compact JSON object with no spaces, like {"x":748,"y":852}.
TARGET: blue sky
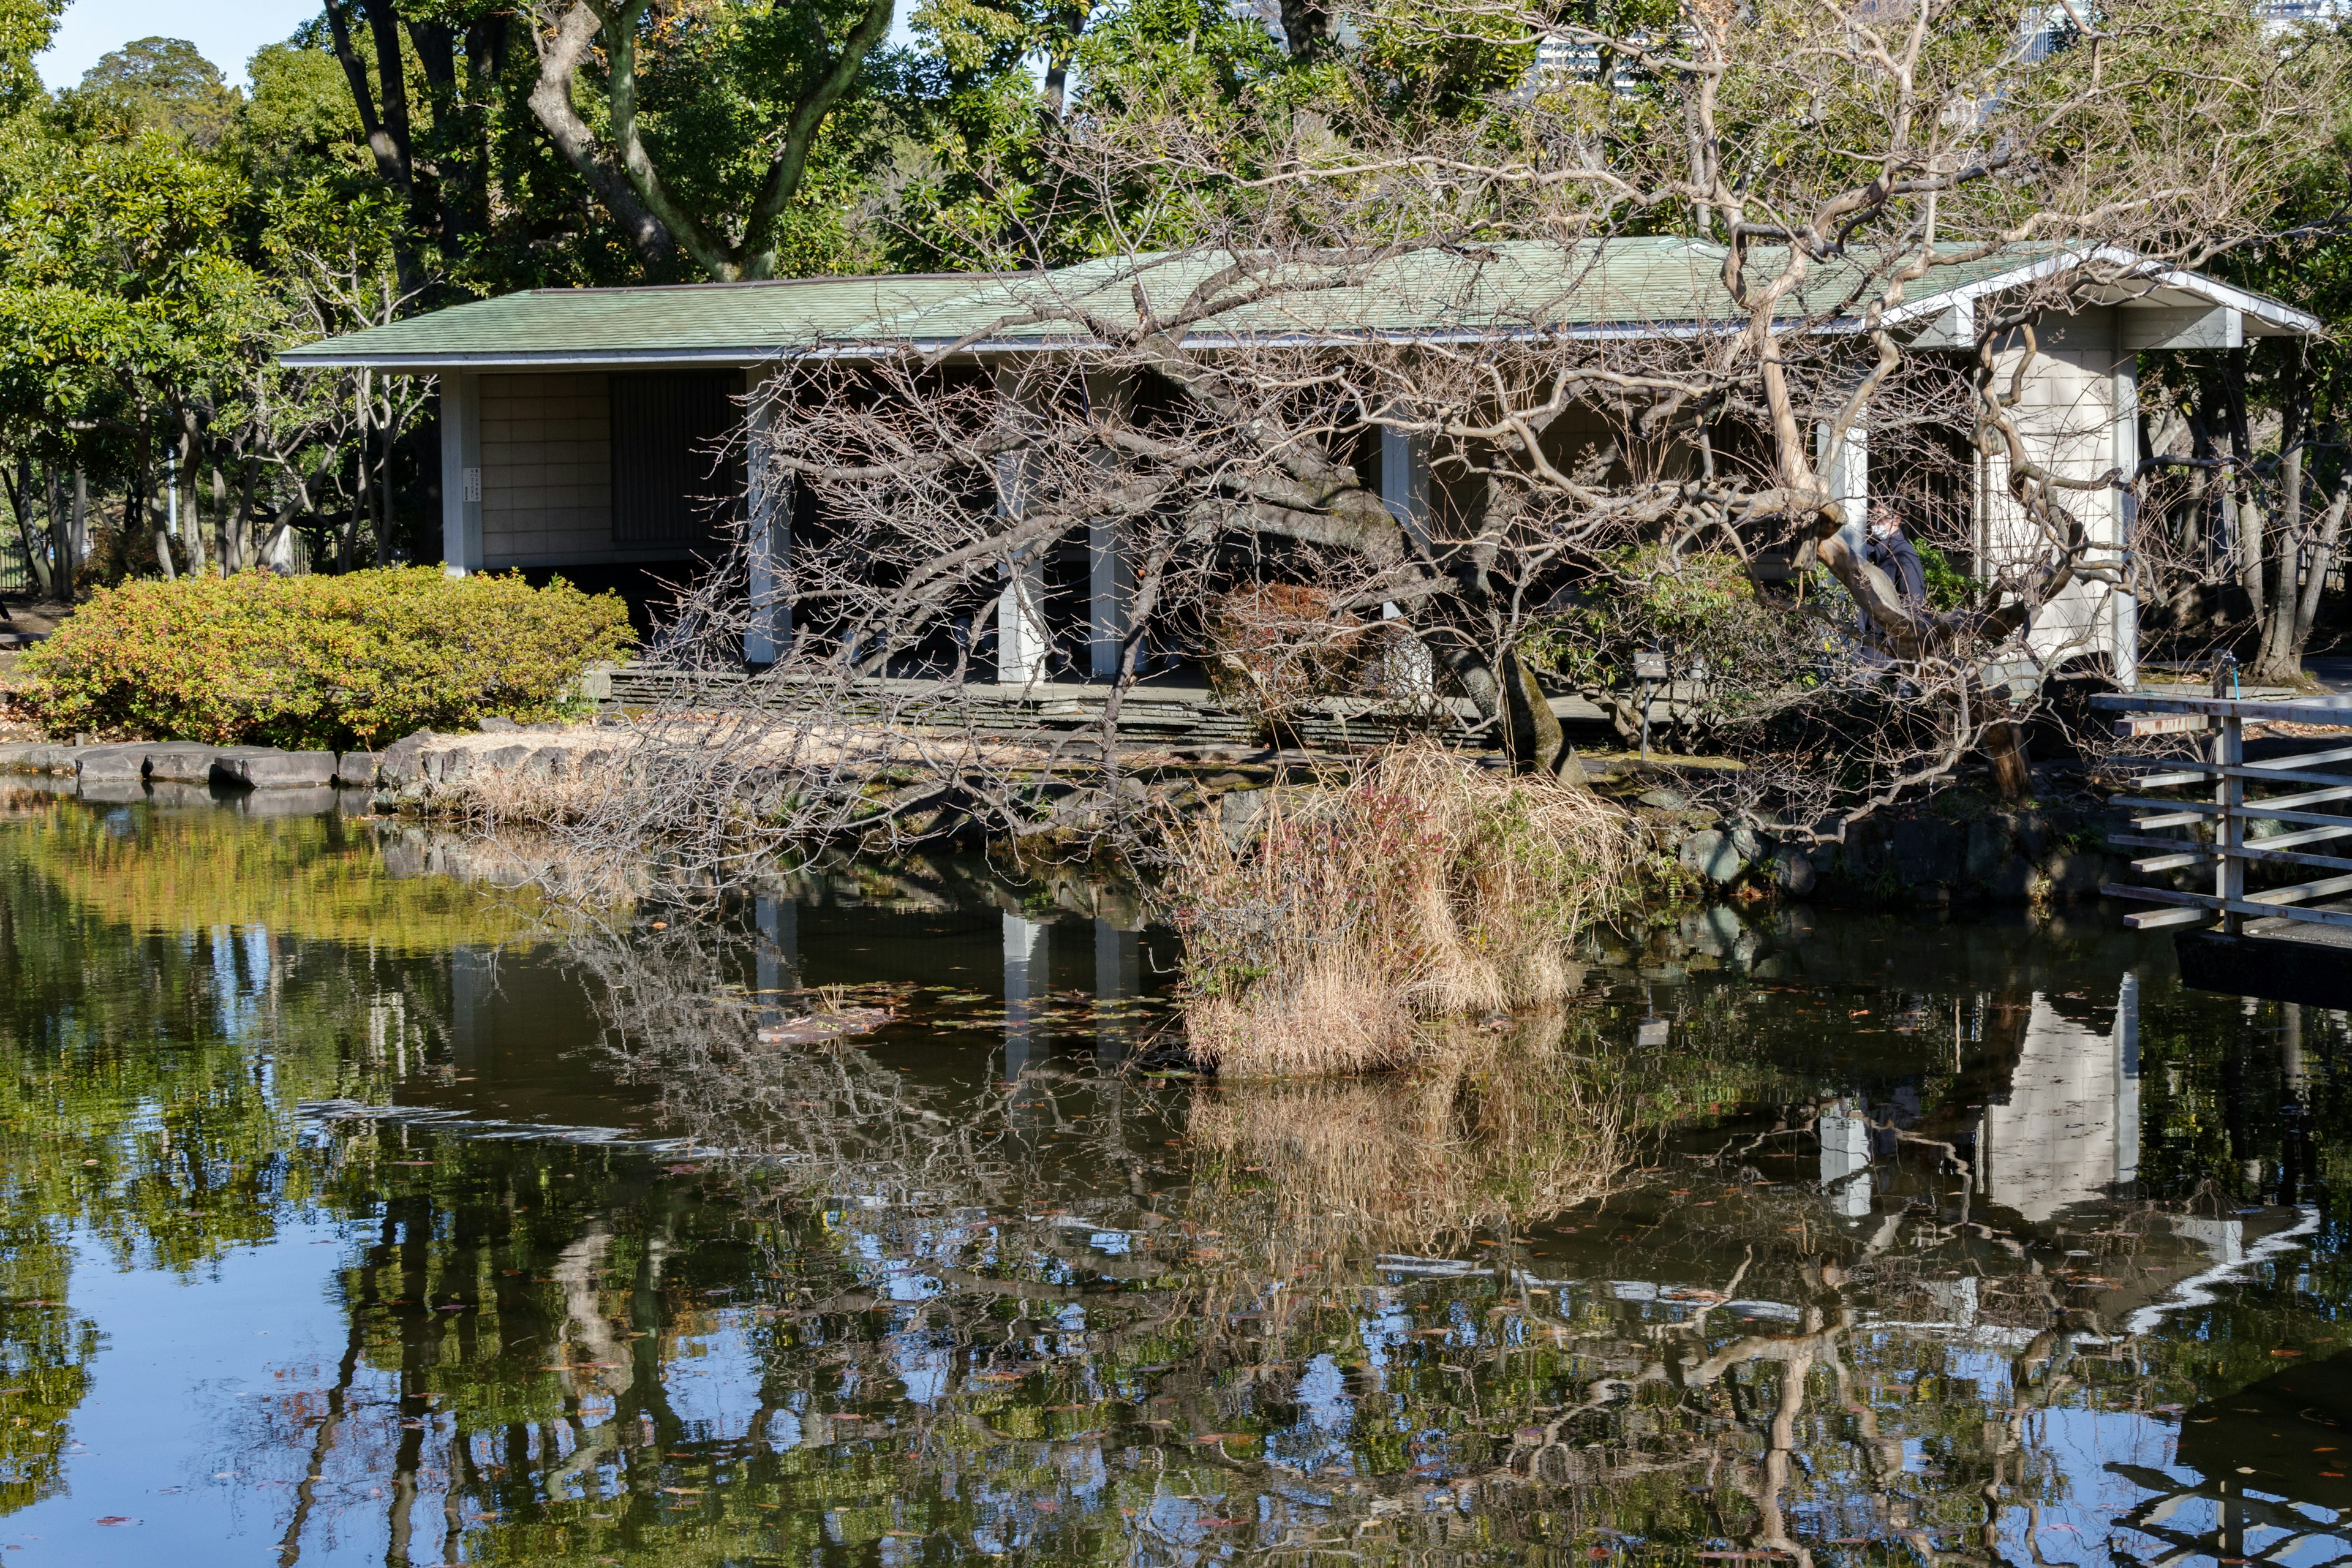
{"x":227,"y":31}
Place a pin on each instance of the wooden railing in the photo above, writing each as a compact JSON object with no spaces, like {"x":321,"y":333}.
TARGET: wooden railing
{"x":2221,"y":828}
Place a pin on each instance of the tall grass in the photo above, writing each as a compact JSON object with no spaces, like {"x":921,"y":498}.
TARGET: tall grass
{"x":1426,"y":886}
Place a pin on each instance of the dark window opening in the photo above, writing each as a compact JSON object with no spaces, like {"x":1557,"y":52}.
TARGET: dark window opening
{"x":677,"y":470}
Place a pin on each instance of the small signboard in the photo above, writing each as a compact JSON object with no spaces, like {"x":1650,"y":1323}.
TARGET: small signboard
{"x":1650,"y":667}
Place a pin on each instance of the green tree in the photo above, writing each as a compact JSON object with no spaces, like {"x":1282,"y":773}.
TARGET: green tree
{"x":157,"y":84}
{"x":708,"y":122}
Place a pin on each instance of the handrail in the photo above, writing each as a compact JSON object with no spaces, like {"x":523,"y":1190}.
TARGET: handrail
{"x":2217,"y":829}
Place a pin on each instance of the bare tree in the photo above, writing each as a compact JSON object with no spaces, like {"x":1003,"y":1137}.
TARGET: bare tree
{"x":1489,"y":293}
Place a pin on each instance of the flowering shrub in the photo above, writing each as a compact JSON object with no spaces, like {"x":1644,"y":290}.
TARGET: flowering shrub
{"x":362,"y":659}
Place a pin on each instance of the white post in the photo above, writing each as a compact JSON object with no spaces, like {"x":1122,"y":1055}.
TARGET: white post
{"x":1844,"y":1131}
{"x":1404,"y":480}
{"x":1020,"y":639}
{"x":1846,"y":468}
{"x":768,"y":534}
{"x":1110,"y":574}
{"x":1404,"y":490}
{"x":461,"y":472}
{"x":2123,"y":608}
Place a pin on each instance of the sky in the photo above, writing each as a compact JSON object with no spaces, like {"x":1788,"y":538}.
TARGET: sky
{"x":226,"y":32}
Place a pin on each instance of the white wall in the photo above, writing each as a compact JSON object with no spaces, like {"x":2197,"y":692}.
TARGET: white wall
{"x":2067,"y":419}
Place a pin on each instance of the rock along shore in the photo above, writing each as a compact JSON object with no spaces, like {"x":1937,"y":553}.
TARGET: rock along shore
{"x":1949,"y":852}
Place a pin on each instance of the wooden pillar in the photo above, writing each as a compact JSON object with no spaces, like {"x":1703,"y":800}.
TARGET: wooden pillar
{"x":2123,"y":606}
{"x":1846,"y":469}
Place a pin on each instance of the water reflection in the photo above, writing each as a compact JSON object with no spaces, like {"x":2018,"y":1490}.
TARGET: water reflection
{"x":471,"y":1244}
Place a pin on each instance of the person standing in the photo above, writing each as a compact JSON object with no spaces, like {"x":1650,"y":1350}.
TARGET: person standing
{"x":1892,"y":554}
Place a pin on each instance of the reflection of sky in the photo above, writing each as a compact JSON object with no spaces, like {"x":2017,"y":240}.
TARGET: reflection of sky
{"x":712,"y":1383}
{"x":191,"y":1428}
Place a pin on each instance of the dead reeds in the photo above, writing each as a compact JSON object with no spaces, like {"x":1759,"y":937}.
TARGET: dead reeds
{"x":1426,"y":886}
{"x":1492,"y":1130}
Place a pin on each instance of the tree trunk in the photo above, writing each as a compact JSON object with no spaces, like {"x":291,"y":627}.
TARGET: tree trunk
{"x":20,"y":498}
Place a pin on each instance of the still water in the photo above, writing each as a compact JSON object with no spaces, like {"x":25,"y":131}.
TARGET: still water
{"x":353,"y":1216}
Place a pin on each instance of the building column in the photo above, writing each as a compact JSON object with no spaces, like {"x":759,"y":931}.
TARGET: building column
{"x":1110,"y":574}
{"x":461,"y":472}
{"x":1404,"y":480}
{"x":1021,"y":638}
{"x":1025,"y":980}
{"x":1844,"y":1131}
{"x":1846,"y":469}
{"x":2123,"y":606}
{"x":1404,"y":490}
{"x":768,"y":533}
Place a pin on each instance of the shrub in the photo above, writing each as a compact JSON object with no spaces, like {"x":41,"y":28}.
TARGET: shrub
{"x":1278,"y":647}
{"x":362,"y":659}
{"x":1428,"y":886}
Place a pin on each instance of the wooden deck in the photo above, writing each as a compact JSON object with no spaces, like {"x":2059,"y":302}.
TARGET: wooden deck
{"x":1148,"y":714}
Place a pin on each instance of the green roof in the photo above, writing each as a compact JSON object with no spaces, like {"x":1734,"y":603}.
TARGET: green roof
{"x":720,"y":322}
{"x":1639,"y":287}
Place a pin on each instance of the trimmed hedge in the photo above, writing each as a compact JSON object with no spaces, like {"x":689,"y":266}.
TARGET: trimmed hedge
{"x":359,"y":660}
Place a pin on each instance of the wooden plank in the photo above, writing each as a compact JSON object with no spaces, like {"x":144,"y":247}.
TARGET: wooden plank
{"x":2269,"y":807}
{"x":2333,"y":712}
{"x":2280,"y":768}
{"x":2240,"y":907}
{"x":2148,"y":919}
{"x":2180,"y":862}
{"x":2170,"y":819}
{"x":2162,"y":724}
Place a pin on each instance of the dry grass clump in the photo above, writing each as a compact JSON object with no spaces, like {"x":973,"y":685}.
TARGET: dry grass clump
{"x":1424,"y":886}
{"x":1490,"y":1131}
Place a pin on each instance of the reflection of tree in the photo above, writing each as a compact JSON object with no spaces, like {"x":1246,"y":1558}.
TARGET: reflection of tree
{"x":1072,"y":1315}
{"x":134,"y":1113}
{"x":315,"y":878}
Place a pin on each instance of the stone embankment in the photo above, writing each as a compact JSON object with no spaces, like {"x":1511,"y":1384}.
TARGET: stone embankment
{"x":1955,"y":850}
{"x":128,"y":769}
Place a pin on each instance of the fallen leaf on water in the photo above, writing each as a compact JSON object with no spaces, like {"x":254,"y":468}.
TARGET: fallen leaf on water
{"x":115,"y":1518}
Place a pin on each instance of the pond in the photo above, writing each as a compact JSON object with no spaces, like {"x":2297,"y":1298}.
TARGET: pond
{"x":358,"y":1211}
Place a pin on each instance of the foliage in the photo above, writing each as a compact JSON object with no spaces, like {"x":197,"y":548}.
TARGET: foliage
{"x":155,"y":84}
{"x":1702,"y":608}
{"x":302,"y":878}
{"x":360,"y":658}
{"x":1948,"y":587}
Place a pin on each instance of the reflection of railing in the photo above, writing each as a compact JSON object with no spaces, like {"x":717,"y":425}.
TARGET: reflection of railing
{"x":2235,"y":1512}
{"x":2222,"y":830}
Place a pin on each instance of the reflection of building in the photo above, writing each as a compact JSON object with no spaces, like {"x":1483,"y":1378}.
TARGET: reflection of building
{"x":2070,"y":1131}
